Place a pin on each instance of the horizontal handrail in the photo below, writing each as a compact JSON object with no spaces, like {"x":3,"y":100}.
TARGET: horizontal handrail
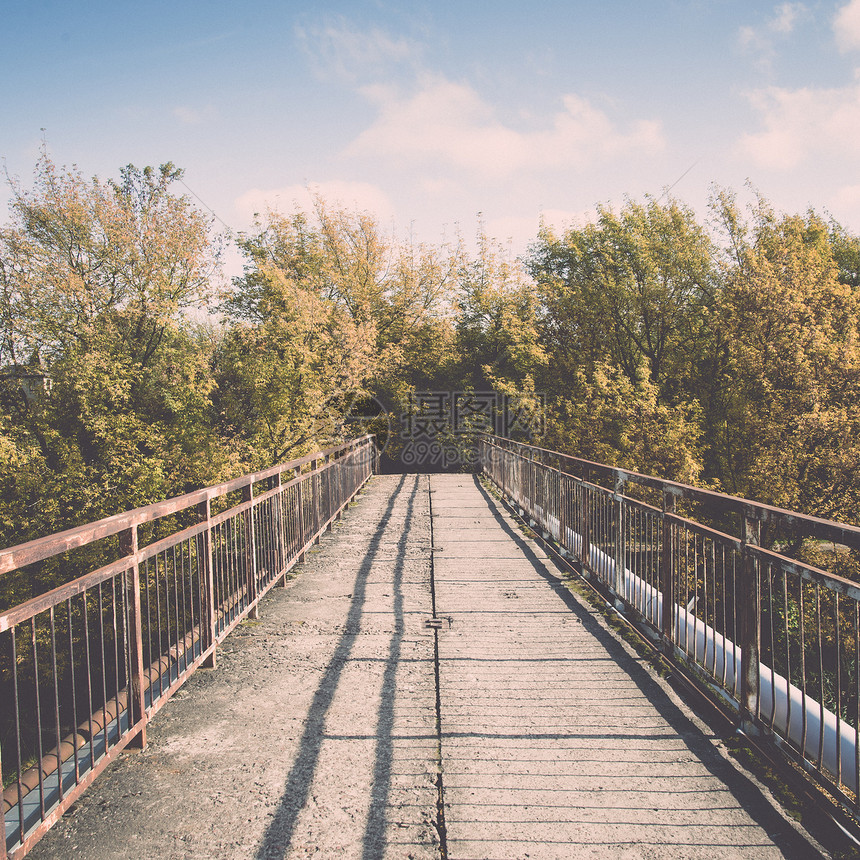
{"x":39,"y":549}
{"x":816,"y":527}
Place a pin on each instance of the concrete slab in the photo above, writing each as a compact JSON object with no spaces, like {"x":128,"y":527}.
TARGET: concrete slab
{"x":556,"y":742}
{"x":316,"y":734}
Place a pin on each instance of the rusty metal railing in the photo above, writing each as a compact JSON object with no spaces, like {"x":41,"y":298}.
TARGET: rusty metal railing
{"x":777,"y":639}
{"x":87,"y":664}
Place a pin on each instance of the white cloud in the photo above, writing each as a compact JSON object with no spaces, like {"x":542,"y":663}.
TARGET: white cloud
{"x":786,"y":16}
{"x":448,"y":122}
{"x":802,"y":123}
{"x":337,"y":49}
{"x":761,"y":41}
{"x":359,"y":196}
{"x":193,"y":116}
{"x":522,"y":230}
{"x":846,"y":26}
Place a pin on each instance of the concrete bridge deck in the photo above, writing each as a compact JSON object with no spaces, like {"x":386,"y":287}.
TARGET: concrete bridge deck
{"x":341,"y":725}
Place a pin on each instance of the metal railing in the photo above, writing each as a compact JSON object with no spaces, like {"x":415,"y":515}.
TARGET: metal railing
{"x":87,"y":664}
{"x":777,"y":639}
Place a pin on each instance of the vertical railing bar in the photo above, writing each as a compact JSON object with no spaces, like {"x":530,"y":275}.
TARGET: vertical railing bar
{"x":838,"y":708}
{"x":768,"y":570}
{"x":182,"y":629}
{"x":281,"y":529}
{"x":712,"y":559}
{"x":222,"y":573}
{"x":233,"y":597}
{"x":586,"y":526}
{"x":179,"y":637}
{"x":802,"y":670}
{"x":619,"y":539}
{"x":206,"y":582}
{"x":74,"y":686}
{"x":39,"y":751}
{"x":788,"y":713}
{"x":315,"y":489}
{"x":134,"y":635}
{"x":20,"y":761}
{"x":226,"y":578}
{"x":300,"y":521}
{"x":666,"y":574}
{"x":820,"y":676}
{"x":158,"y":626}
{"x":696,"y":539}
{"x":250,"y":551}
{"x":633,"y":562}
{"x":89,"y":673}
{"x":147,"y":591}
{"x":127,"y":645}
{"x":103,"y":657}
{"x":58,"y":733}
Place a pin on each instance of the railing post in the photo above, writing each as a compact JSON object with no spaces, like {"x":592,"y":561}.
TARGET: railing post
{"x":251,"y":584}
{"x":619,"y":537}
{"x":667,"y":579}
{"x":315,"y":486}
{"x":136,"y":701}
{"x":750,"y":626}
{"x":300,"y":516}
{"x":209,"y":623}
{"x":281,"y":524}
{"x":586,"y":523}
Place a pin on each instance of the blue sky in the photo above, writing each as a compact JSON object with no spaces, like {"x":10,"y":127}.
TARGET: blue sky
{"x":430,"y":113}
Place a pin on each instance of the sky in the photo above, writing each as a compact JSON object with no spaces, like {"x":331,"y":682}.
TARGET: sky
{"x":441,"y":116}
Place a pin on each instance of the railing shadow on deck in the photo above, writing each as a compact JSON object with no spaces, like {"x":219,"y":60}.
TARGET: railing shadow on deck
{"x":747,"y":794}
{"x":776,"y":641}
{"x":278,"y":836}
{"x":87,"y":664}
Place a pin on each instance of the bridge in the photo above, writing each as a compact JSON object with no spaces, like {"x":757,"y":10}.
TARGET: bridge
{"x":429,"y":682}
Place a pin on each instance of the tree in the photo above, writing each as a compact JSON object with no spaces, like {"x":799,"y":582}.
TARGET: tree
{"x":789,"y":391}
{"x":608,"y":419}
{"x":329,"y":312}
{"x":496,"y":325}
{"x":632,"y":289}
{"x":105,"y":384}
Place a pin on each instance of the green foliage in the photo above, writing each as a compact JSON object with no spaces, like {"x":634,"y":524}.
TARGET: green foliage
{"x":327,"y":313}
{"x":609,"y":419}
{"x":630,"y":290}
{"x":103,"y":382}
{"x":729,"y":359}
{"x":625,"y":316}
{"x":788,"y":391}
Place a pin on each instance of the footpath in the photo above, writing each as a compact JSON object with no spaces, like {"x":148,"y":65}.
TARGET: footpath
{"x":424,"y":687}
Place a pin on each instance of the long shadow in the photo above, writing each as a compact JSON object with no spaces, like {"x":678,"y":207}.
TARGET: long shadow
{"x":279,"y":834}
{"x":373,"y":843}
{"x":745,"y":792}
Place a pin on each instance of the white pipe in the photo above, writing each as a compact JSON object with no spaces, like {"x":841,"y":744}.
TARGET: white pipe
{"x":720,"y":657}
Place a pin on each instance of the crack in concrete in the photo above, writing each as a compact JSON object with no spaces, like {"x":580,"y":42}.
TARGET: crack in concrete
{"x":440,"y":783}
